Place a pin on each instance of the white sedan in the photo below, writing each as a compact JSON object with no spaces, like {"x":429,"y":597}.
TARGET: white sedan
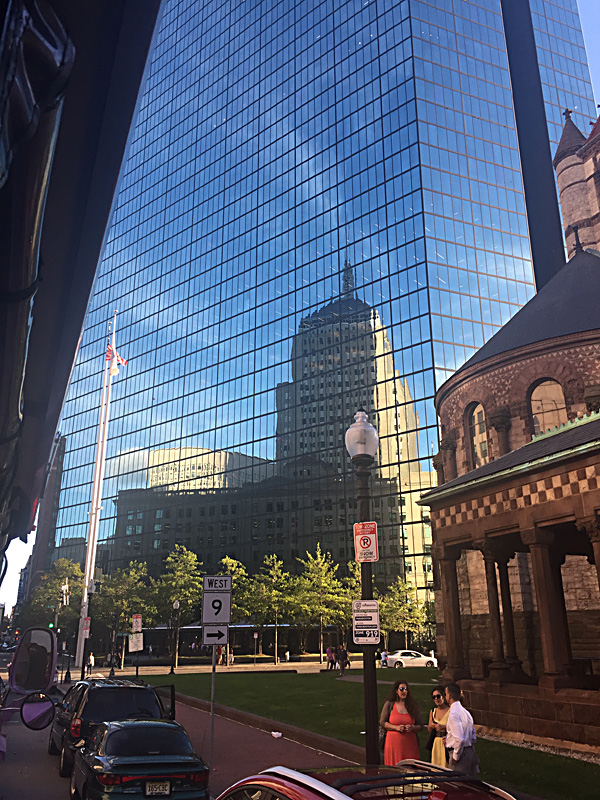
{"x":410,"y":658}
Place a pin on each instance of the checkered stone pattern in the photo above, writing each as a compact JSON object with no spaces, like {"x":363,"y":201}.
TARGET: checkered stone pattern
{"x":566,"y":484}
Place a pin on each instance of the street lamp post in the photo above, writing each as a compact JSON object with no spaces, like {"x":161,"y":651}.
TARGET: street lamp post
{"x":91,"y":590}
{"x":175,"y":635}
{"x":362,"y":443}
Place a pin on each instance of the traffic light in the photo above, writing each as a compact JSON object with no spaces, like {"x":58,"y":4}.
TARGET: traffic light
{"x":50,"y":624}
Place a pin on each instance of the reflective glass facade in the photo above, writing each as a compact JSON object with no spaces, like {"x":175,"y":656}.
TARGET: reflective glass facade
{"x":322,"y":208}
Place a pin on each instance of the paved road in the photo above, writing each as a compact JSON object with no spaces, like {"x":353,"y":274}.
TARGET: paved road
{"x":28,"y":770}
{"x":240,"y":750}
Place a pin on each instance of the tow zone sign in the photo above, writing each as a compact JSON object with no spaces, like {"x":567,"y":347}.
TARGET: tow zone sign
{"x":366,"y":546}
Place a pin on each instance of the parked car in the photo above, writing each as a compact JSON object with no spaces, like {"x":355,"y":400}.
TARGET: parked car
{"x":148,"y":758}
{"x":410,"y":658}
{"x":414,"y":779}
{"x":90,"y":702}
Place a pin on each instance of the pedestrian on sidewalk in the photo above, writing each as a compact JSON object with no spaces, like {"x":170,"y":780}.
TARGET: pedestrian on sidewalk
{"x":401,"y":720}
{"x":330,"y":658}
{"x":384,"y":657}
{"x":460,"y":735}
{"x":438,"y":717}
{"x":90,"y":663}
{"x":342,"y":659}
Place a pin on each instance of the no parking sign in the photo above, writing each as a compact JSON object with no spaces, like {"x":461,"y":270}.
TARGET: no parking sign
{"x":365,"y":541}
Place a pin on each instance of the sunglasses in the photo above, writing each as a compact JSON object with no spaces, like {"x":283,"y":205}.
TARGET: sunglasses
{"x":437,"y":696}
{"x":403,"y":688}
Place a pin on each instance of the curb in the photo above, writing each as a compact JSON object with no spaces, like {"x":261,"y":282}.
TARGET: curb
{"x":335,"y":747}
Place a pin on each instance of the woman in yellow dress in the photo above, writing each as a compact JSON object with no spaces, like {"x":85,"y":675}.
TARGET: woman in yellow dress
{"x":438,"y":717}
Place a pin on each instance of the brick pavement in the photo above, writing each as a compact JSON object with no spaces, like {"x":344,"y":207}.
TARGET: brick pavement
{"x":241,"y":749}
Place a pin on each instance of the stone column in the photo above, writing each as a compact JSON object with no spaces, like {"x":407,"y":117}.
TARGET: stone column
{"x":562,"y":629}
{"x":538,"y":540}
{"x":448,"y":448}
{"x":499,"y":669}
{"x":438,"y":465}
{"x":515,"y":664}
{"x":591,"y":527}
{"x":455,"y":666}
{"x":500,"y":420}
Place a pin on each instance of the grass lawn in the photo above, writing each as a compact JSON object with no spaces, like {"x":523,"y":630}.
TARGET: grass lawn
{"x":320,"y":703}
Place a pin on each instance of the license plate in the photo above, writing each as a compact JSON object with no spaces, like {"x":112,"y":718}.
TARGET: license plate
{"x":158,"y":788}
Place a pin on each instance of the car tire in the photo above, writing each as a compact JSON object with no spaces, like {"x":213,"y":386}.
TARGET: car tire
{"x":398,"y":664}
{"x":52,"y":748}
{"x":429,"y":664}
{"x":73,"y":793}
{"x":65,"y":766}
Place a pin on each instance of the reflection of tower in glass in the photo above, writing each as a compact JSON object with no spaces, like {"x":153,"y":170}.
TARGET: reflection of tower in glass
{"x":342,"y":360}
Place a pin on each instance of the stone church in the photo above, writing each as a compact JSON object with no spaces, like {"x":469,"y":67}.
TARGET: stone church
{"x":515,"y":516}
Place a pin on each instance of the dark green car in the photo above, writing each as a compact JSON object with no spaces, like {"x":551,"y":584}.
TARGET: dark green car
{"x":139,"y":758}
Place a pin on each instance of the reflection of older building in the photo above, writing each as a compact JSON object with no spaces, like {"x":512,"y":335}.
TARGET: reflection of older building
{"x":342,"y":360}
{"x":195,"y":468}
{"x":287,"y":515}
{"x":517,"y":522}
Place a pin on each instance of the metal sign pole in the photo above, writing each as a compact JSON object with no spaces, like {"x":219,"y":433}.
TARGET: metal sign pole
{"x":212,"y":710}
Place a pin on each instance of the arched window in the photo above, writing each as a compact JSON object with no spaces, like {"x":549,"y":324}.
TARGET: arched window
{"x":548,"y":407}
{"x":478,"y":436}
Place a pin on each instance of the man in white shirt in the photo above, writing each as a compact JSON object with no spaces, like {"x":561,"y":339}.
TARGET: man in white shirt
{"x":460,"y":735}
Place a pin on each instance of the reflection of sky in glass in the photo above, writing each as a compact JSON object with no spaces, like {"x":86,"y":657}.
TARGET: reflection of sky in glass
{"x":274,"y":143}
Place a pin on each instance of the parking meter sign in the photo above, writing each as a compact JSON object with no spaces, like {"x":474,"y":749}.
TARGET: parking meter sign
{"x":365,"y":622}
{"x":366,"y":546}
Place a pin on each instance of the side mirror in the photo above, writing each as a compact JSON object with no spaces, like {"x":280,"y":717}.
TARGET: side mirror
{"x":33,"y":665}
{"x":37,"y":711}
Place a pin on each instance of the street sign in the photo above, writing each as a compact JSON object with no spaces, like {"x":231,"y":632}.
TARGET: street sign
{"x":136,"y":642}
{"x":215,"y":634}
{"x":86,"y":627}
{"x":216,"y":583}
{"x":136,"y":623}
{"x":365,"y":622}
{"x":366,"y":546}
{"x":216,"y":608}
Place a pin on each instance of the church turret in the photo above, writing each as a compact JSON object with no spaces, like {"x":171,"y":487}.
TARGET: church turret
{"x":577,"y":165}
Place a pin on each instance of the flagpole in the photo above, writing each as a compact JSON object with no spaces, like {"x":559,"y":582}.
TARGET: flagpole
{"x":110,"y":369}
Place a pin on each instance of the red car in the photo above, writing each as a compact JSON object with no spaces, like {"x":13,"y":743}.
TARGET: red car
{"x":410,"y":780}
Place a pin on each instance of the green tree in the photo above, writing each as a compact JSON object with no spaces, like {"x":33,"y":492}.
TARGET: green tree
{"x":182,"y":582}
{"x":349,"y":592}
{"x":126,"y":592}
{"x":316,"y":595}
{"x":240,"y":586}
{"x":45,"y":600}
{"x":273,"y":583}
{"x":399,"y":610}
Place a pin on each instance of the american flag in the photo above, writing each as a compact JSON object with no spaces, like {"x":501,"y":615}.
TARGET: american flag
{"x":109,"y":356}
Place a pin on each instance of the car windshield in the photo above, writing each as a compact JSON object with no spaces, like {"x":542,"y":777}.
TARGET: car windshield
{"x":148,"y":741}
{"x":107,"y":704}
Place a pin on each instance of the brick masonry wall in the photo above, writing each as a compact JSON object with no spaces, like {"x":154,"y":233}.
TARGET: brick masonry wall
{"x":568,"y":714}
{"x":573,"y":364}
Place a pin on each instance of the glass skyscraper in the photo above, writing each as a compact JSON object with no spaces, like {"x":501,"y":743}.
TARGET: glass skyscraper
{"x":322,"y":208}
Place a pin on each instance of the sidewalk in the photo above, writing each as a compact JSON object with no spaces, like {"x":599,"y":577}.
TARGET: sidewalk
{"x":241,"y":750}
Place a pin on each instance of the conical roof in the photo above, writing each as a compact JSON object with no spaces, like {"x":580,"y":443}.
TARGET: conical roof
{"x":567,"y":304}
{"x":570,"y":141}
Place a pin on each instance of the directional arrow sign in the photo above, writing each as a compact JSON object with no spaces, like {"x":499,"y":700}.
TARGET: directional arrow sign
{"x":215,"y":634}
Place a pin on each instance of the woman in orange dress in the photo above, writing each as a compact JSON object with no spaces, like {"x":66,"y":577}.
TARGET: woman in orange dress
{"x":401,"y":719}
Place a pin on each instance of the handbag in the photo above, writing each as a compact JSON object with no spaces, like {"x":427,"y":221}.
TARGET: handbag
{"x":432,"y":735}
{"x":382,"y":730}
